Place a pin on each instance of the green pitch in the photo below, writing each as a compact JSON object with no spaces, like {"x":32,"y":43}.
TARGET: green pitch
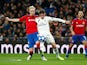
{"x":20,"y":59}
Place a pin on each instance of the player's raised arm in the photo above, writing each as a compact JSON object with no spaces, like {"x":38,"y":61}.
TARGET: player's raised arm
{"x":13,"y":20}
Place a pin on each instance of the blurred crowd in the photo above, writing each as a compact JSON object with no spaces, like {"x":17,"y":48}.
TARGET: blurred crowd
{"x":15,"y":32}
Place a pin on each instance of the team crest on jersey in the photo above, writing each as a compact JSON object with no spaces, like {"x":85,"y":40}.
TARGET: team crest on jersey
{"x":83,"y":22}
{"x":38,"y":20}
{"x":76,"y":22}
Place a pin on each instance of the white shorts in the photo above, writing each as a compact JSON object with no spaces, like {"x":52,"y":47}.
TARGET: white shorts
{"x":49,"y":38}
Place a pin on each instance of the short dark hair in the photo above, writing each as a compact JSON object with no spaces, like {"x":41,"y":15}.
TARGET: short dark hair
{"x":42,"y":12}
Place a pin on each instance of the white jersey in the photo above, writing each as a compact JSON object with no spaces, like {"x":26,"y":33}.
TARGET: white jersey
{"x":43,"y":24}
{"x":44,"y":30}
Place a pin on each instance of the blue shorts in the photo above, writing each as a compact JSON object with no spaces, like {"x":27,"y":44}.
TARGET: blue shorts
{"x":32,"y":39}
{"x":77,"y":38}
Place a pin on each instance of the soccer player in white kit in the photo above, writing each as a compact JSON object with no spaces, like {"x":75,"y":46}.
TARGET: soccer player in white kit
{"x":44,"y":31}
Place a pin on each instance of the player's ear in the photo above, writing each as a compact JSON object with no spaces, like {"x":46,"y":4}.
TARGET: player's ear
{"x":45,"y":13}
{"x":83,"y":14}
{"x":28,"y":9}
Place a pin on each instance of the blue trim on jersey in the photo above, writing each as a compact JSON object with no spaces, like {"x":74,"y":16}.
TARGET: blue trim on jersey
{"x":32,"y":39}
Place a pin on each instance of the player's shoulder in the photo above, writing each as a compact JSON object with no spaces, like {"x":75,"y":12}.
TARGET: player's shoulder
{"x":36,"y":16}
{"x":84,"y":19}
{"x":75,"y":19}
{"x":26,"y":15}
{"x":47,"y":17}
{"x":37,"y":19}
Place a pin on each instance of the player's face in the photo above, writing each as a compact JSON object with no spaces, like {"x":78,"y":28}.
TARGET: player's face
{"x":42,"y":15}
{"x":80,"y":14}
{"x":32,"y":11}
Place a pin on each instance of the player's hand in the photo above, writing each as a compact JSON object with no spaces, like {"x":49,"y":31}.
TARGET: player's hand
{"x":7,"y":18}
{"x":67,"y":22}
{"x":73,"y":33}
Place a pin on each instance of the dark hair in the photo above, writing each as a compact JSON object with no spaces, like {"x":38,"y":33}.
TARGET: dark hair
{"x":42,"y":12}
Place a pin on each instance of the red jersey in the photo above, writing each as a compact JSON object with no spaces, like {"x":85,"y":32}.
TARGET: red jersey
{"x":31,"y":25}
{"x":79,"y":26}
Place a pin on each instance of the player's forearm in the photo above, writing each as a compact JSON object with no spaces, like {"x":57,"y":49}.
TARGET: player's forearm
{"x":86,"y":29}
{"x":71,"y":29}
{"x":59,"y":20}
{"x":14,"y":20}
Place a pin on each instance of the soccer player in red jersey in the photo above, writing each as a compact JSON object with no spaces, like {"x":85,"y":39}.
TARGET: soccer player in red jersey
{"x":78,"y":27}
{"x":31,"y":29}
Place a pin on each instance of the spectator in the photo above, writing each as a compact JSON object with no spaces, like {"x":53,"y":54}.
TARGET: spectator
{"x":1,"y":37}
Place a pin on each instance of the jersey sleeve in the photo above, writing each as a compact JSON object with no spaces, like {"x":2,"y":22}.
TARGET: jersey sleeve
{"x":73,"y":23}
{"x":23,"y":18}
{"x":49,"y":18}
{"x":56,"y":19}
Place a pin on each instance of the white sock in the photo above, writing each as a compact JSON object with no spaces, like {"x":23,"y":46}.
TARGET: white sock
{"x":57,"y":51}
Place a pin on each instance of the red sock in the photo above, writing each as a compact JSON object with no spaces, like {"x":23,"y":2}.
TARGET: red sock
{"x":85,"y":46}
{"x":38,"y":45}
{"x":86,"y":49}
{"x":70,"y":48}
{"x":31,"y":53}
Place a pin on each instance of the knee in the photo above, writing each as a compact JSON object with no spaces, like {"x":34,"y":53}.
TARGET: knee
{"x":84,"y":42}
{"x":54,"y":45}
{"x":38,"y":44}
{"x":31,"y":49}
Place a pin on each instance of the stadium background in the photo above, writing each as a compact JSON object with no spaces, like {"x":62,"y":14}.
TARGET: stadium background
{"x":14,"y":33}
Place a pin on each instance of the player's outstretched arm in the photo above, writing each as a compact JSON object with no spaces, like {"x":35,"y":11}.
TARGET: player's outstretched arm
{"x":13,"y":20}
{"x":61,"y":20}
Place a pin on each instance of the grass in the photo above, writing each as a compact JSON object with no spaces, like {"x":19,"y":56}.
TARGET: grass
{"x":20,"y":59}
